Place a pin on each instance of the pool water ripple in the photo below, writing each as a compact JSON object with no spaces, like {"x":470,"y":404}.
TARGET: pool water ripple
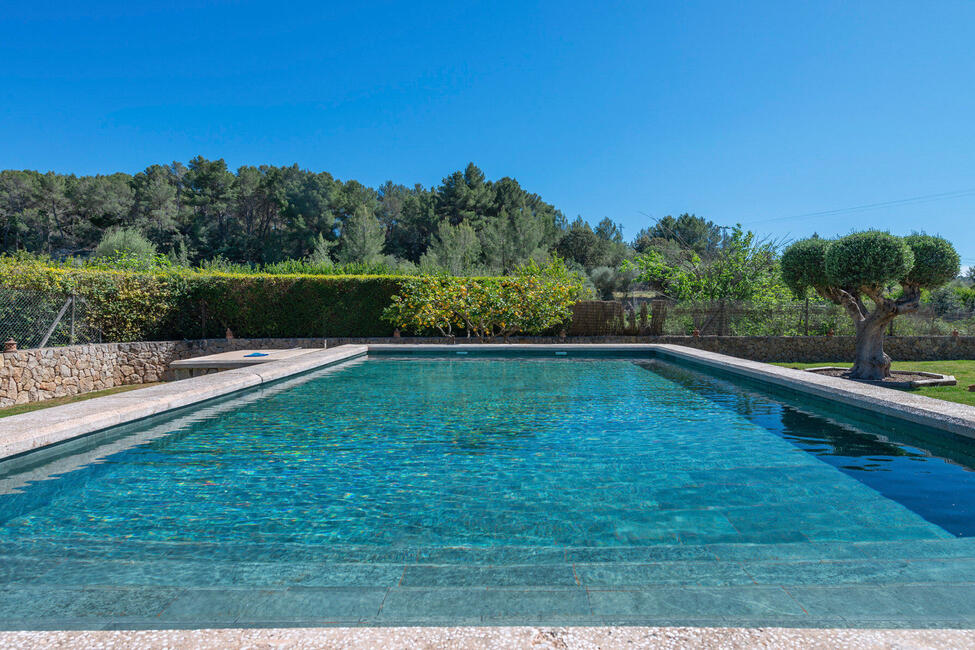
{"x":432,"y":490}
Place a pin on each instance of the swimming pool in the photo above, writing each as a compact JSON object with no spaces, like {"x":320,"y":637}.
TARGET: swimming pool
{"x":429,"y":490}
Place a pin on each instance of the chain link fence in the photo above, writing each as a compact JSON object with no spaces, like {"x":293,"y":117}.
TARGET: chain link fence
{"x":640,"y":316}
{"x":37,"y":319}
{"x":41,"y":319}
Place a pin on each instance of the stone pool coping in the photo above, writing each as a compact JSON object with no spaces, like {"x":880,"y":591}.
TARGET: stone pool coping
{"x":958,"y":419}
{"x":239,"y":358}
{"x":29,"y":431}
{"x":497,"y":637}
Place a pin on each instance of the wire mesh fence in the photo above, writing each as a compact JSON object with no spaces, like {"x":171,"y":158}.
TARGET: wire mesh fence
{"x":43,"y":319}
{"x":726,"y":318}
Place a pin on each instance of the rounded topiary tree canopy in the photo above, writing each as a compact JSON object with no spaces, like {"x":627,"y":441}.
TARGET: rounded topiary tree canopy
{"x":863,"y":265}
{"x":803,"y":265}
{"x":868,"y":259}
{"x":936,"y":262}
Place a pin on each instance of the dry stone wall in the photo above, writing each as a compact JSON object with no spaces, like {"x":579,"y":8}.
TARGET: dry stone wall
{"x":40,"y":374}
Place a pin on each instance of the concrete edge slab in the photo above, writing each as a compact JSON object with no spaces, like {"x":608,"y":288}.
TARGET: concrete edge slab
{"x":464,"y":638}
{"x":239,"y":358}
{"x":958,"y":419}
{"x":947,"y":416}
{"x":37,"y":429}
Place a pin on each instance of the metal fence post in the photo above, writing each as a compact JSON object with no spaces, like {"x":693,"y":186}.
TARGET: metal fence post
{"x":806,"y":325}
{"x":57,"y":319}
{"x":71,"y":338}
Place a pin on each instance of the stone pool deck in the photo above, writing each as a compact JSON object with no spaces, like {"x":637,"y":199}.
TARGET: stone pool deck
{"x":463,"y":638}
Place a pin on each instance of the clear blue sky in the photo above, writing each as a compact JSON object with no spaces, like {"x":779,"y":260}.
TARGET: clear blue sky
{"x":741,"y":112}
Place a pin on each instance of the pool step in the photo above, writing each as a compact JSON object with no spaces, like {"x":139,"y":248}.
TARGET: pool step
{"x":171,"y":585}
{"x":127,"y":549}
{"x":91,"y":563}
{"x":32,"y":572}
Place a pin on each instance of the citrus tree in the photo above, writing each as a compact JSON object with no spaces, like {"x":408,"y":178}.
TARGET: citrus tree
{"x":536,"y":299}
{"x":876,"y":267}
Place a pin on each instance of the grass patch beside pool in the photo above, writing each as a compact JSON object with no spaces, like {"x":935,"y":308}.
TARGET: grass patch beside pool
{"x":964,"y":372}
{"x":58,"y":401}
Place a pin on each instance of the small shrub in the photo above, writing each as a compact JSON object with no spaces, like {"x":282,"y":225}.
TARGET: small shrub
{"x":125,"y":243}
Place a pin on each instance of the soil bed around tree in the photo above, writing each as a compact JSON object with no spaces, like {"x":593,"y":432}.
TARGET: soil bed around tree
{"x":898,"y":378}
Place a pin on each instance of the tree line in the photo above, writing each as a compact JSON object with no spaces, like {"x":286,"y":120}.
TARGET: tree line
{"x":262,"y":215}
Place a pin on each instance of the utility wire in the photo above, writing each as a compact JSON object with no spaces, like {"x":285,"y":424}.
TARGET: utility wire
{"x":873,"y":206}
{"x":671,"y":231}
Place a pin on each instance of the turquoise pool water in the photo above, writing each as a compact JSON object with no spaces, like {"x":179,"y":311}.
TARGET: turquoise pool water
{"x":476,"y":490}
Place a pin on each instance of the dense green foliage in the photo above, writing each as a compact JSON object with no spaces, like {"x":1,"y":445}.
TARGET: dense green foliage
{"x":868,"y":262}
{"x":266,"y":214}
{"x":686,"y":232}
{"x":935,"y":261}
{"x":803,"y":263}
{"x":867,"y":259}
{"x":126,"y":242}
{"x":290,"y":220}
{"x":742,"y":269}
{"x":177,"y":303}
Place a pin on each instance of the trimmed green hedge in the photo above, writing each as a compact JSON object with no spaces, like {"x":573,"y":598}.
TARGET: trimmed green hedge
{"x":265,"y":306}
{"x":184,"y":304}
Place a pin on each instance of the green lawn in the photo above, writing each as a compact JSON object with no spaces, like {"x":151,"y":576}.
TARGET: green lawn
{"x":58,"y":401}
{"x":964,"y":372}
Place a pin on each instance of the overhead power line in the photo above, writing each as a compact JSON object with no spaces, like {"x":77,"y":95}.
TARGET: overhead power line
{"x":873,"y":206}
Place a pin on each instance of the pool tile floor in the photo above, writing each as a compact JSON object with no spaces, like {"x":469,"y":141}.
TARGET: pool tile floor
{"x":617,"y":520}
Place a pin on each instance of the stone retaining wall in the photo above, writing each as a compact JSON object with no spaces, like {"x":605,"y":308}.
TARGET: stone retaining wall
{"x":40,"y":374}
{"x":35,"y":375}
{"x":810,"y":349}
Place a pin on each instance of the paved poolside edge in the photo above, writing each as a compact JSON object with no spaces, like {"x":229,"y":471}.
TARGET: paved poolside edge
{"x":29,"y":431}
{"x":958,"y":419}
{"x":498,"y":637}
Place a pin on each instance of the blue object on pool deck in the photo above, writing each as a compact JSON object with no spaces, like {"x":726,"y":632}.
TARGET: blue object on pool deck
{"x":256,"y":354}
{"x":464,"y":490}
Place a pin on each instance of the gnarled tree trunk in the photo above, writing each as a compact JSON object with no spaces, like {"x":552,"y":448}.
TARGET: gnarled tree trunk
{"x":871,"y":362}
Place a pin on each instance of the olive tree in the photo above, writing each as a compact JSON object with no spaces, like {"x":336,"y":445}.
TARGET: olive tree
{"x":870,"y":266}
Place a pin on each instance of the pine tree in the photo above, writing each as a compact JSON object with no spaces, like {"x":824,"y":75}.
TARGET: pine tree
{"x":465,"y":196}
{"x":362,"y":238}
{"x":454,"y":249}
{"x":322,"y":253}
{"x":155,"y":207}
